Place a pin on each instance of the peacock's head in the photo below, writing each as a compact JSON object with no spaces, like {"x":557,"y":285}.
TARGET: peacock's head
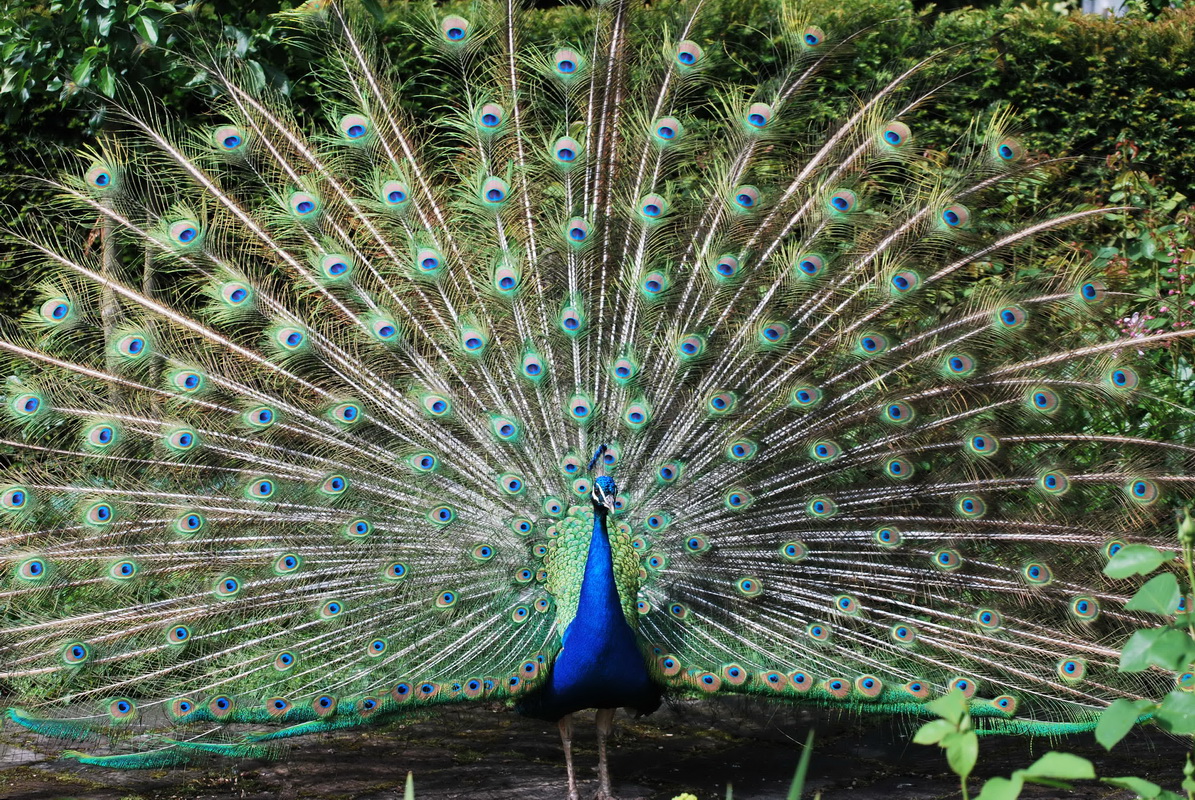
{"x":604,"y":492}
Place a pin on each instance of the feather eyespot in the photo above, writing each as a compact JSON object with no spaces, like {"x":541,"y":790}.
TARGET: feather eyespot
{"x":14,"y":498}
{"x":123,"y":571}
{"x":737,"y":499}
{"x":33,"y":570}
{"x":428,"y":260}
{"x":1085,"y":609}
{"x":668,"y":472}
{"x":745,"y":198}
{"x":1037,"y":574}
{"x":511,"y":484}
{"x":576,"y":230}
{"x":580,"y":408}
{"x":56,"y":311}
{"x":895,"y":134}
{"x":261,"y":417}
{"x":227,"y":587}
{"x":1009,"y":150}
{"x":989,"y":619}
{"x":303,"y":205}
{"x":688,"y":54}
{"x":818,"y":632}
{"x":948,"y":560}
{"x":287,"y":563}
{"x":132,"y":346}
{"x":625,"y":369}
{"x":843,"y":201}
{"x":726,"y":267}
{"x":185,"y":233}
{"x":806,"y":397}
{"x":395,"y":571}
{"x":336,"y":266}
{"x":358,"y":528}
{"x":758,"y":116}
{"x":773,"y":334}
{"x":1092,"y":293}
{"x":442,"y":515}
{"x":454,"y":29}
{"x":101,"y":177}
{"x":666,"y":131}
{"x":956,"y":216}
{"x":572,"y":321}
{"x":354,"y":127}
{"x":970,"y":507}
{"x":809,"y":265}
{"x":982,"y":444}
{"x":122,"y":710}
{"x":494,"y":191}
{"x":436,"y":405}
{"x":1011,"y":318}
{"x":189,"y":523}
{"x":813,"y":37}
{"x":654,"y":283}
{"x":394,"y":193}
{"x":900,"y":469}
{"x":101,"y":436}
{"x":334,"y":485}
{"x":1123,"y":379}
{"x":960,"y":365}
{"x":821,"y":507}
{"x":636,"y":414}
{"x":567,"y":63}
{"x":1054,"y":483}
{"x":721,"y":402}
{"x":872,"y":344}
{"x":691,"y":347}
{"x":652,"y":207}
{"x":742,"y":450}
{"x":565,"y":151}
{"x":1143,"y":492}
{"x":888,"y":537}
{"x":794,"y":551}
{"x":261,"y":489}
{"x":235,"y":294}
{"x":229,"y":139}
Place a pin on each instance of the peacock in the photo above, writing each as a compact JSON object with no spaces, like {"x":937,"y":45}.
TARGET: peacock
{"x":610,"y":382}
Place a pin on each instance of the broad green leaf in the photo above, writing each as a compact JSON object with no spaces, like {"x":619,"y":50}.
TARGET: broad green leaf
{"x":1144,"y":788}
{"x":1136,"y":559}
{"x":1159,"y":595}
{"x":106,"y":82}
{"x":932,"y":732}
{"x":1002,"y":789}
{"x":962,"y":751}
{"x":146,"y":28}
{"x":1163,"y":647}
{"x":81,"y":74}
{"x":951,"y":706}
{"x":1177,"y":713}
{"x":1062,"y":766}
{"x":1117,"y":720}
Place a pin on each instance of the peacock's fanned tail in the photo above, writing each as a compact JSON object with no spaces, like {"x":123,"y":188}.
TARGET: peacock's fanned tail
{"x":303,"y":406}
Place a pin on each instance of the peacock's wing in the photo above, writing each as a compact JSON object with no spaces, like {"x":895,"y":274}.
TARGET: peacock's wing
{"x":300,"y":408}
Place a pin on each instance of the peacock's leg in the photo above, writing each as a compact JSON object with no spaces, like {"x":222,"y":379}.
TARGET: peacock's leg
{"x":605,"y":726}
{"x":566,"y":738}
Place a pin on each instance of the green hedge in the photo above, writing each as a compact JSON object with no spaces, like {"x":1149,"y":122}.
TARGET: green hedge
{"x":1119,"y":94}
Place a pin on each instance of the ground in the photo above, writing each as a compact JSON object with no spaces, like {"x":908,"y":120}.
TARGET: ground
{"x":493,"y":754}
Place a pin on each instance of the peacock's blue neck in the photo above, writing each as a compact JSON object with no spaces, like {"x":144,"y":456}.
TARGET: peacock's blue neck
{"x":600,"y":664}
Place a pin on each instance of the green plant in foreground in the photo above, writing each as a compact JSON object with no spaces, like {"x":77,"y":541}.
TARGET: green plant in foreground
{"x":1170,"y":646}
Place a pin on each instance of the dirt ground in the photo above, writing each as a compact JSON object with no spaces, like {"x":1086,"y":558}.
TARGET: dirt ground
{"x":493,"y":754}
